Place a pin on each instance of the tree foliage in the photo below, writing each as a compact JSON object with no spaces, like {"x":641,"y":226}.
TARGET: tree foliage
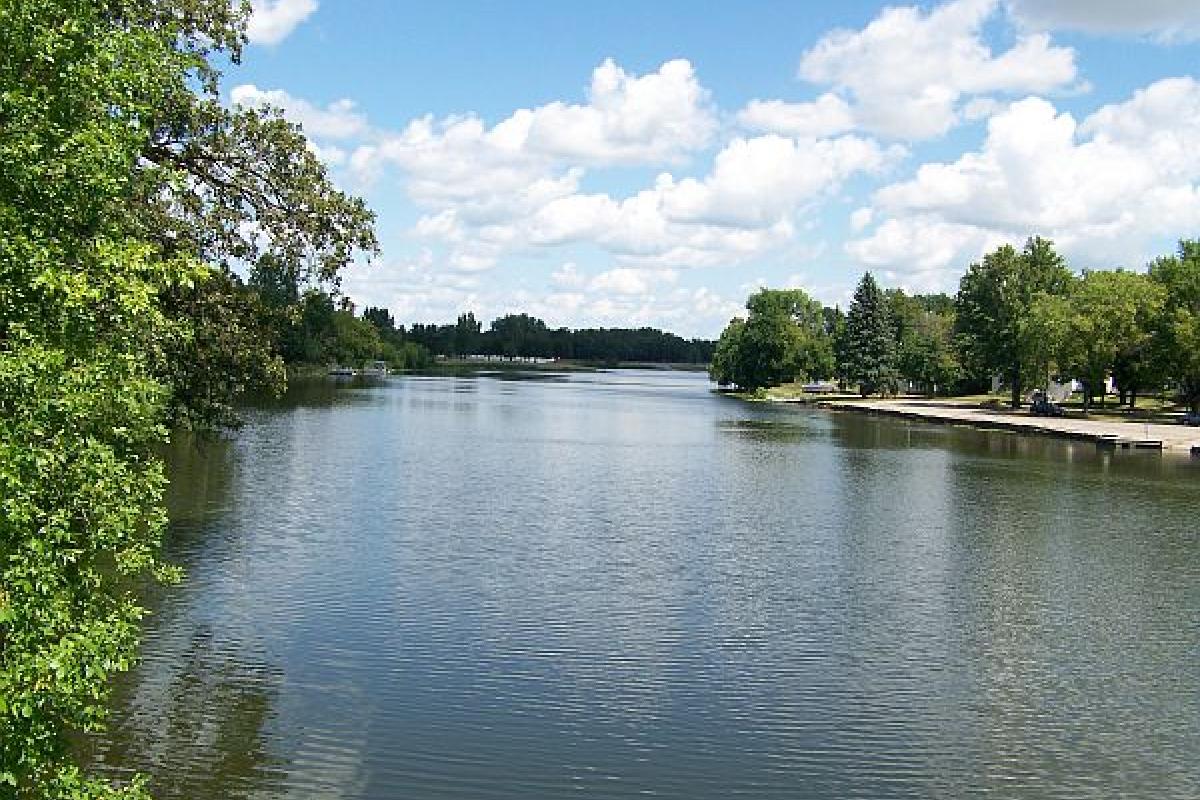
{"x":993,"y":304}
{"x":783,"y":337}
{"x":926,"y":355}
{"x":1103,"y":316}
{"x":1179,"y":326}
{"x":127,"y":192}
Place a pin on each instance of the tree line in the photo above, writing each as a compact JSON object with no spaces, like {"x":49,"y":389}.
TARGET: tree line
{"x":1019,"y":315}
{"x":521,"y":335}
{"x":307,"y":325}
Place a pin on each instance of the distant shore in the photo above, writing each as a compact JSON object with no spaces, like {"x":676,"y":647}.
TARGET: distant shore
{"x":457,"y":366}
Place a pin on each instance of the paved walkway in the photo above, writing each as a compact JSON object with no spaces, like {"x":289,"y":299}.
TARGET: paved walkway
{"x":1151,"y":435}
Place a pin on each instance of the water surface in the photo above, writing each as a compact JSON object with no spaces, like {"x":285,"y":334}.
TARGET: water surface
{"x":618,"y":585}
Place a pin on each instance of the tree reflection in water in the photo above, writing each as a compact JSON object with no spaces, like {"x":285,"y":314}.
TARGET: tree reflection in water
{"x":195,"y":721}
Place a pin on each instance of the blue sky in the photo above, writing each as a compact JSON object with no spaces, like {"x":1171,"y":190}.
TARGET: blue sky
{"x":634,"y":163}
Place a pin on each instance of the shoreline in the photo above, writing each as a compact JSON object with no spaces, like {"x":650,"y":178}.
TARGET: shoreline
{"x":1167,"y":438}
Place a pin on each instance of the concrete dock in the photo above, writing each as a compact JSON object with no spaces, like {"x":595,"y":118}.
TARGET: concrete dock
{"x":1176,"y":439}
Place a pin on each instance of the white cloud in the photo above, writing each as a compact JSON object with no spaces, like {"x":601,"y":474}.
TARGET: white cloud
{"x":486,"y":185}
{"x":1103,"y":189}
{"x":628,"y":119}
{"x":1168,"y":20}
{"x":568,"y":275}
{"x":746,"y":206}
{"x":638,"y":232}
{"x":330,"y":154}
{"x":1163,"y":119}
{"x":908,"y":72}
{"x":981,"y":108}
{"x":658,"y":117}
{"x":861,"y":218}
{"x":625,"y":280}
{"x":760,"y":181}
{"x":271,"y":21}
{"x":515,"y":187}
{"x":338,"y":120}
{"x":828,"y":115}
{"x":924,"y":252}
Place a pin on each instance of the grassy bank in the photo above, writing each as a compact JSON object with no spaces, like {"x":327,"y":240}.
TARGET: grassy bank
{"x":1147,"y":409}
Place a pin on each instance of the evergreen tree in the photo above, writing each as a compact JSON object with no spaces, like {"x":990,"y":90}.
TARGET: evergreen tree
{"x":870,"y":340}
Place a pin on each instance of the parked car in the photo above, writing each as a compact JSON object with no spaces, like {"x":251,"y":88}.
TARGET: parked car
{"x":1042,"y":407}
{"x":1191,"y":418}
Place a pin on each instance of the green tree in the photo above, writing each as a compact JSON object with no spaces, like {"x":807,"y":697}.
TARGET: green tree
{"x":835,"y":324}
{"x":870,"y":342}
{"x":126,"y":191}
{"x":519,"y":335}
{"x":272,"y":280}
{"x":927,"y":355}
{"x":782,"y":338}
{"x":724,"y":368}
{"x":467,"y":332}
{"x":1110,"y":313}
{"x":993,"y":303}
{"x":925,"y":351}
{"x":1045,"y":338}
{"x":1179,"y":324}
{"x":224,"y":347}
{"x":381,"y":318}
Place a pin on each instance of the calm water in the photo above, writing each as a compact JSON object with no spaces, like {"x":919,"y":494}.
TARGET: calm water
{"x":620,"y":585}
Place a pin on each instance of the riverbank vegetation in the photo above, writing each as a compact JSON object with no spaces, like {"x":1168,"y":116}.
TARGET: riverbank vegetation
{"x":1021,"y":317}
{"x":130,"y":197}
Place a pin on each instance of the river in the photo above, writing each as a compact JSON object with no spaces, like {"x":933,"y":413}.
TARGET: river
{"x":617,"y":585}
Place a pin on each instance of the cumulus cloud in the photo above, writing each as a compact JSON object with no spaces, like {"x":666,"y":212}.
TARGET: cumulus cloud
{"x":828,"y":115}
{"x":486,"y":185}
{"x":925,"y":252}
{"x":516,"y":186}
{"x":629,"y":119}
{"x":861,"y":218}
{"x":271,"y":21}
{"x":746,"y":205}
{"x":628,"y":281}
{"x":758,"y":181}
{"x":568,"y":275}
{"x":1168,"y":20}
{"x":1102,"y":188}
{"x":908,"y":73}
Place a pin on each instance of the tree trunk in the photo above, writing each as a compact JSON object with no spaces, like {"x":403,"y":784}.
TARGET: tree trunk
{"x":1016,"y":388}
{"x":1133,"y":398}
